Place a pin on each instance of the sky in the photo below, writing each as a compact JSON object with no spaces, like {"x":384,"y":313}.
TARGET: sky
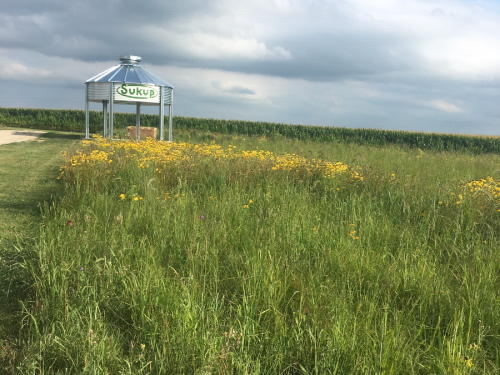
{"x":416,"y":65}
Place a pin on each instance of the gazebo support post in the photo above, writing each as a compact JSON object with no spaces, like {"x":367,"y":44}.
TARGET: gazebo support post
{"x":162,"y":113}
{"x":105,"y":117}
{"x":170,"y":122}
{"x":87,"y":130}
{"x":138,"y":121}
{"x":111,"y":109}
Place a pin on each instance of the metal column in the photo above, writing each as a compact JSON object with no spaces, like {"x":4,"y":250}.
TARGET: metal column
{"x":105,"y":117}
{"x":111,"y":109}
{"x":170,"y":113}
{"x":87,"y":135}
{"x":162,"y":112}
{"x":138,"y":121}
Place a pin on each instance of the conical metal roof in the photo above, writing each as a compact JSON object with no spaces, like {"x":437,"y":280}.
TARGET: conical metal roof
{"x":129,"y":71}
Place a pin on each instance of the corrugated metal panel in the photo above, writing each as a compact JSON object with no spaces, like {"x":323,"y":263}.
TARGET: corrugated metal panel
{"x":97,"y":92}
{"x":104,"y":76}
{"x":129,"y":71}
{"x":145,"y":75}
{"x":120,"y":75}
{"x":167,"y":95}
{"x":132,"y":76}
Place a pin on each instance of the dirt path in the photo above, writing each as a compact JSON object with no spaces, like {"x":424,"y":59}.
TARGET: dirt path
{"x":11,"y":136}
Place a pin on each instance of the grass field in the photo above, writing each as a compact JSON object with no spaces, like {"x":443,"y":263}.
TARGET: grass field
{"x":232,"y":255}
{"x":28,"y":174}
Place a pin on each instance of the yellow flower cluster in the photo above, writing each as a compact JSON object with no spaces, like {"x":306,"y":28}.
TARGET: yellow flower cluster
{"x":161,"y":154}
{"x":293,"y":162}
{"x":467,"y":361}
{"x":92,"y":158}
{"x":486,"y":187}
{"x":352,"y":233}
{"x":248,"y":204}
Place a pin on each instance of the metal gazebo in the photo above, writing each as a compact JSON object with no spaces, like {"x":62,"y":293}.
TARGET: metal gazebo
{"x":128,"y":83}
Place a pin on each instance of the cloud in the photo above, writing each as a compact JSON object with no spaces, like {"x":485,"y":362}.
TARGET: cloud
{"x":205,"y":46}
{"x":315,"y":40}
{"x":444,"y":106}
{"x":16,"y":71}
{"x":465,"y":58}
{"x":231,"y":88}
{"x":355,"y":63}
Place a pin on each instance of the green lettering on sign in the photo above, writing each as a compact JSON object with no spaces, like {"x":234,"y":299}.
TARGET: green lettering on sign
{"x":137,"y":91}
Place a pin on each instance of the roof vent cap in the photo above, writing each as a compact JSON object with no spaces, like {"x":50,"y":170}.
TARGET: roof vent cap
{"x":129,"y":59}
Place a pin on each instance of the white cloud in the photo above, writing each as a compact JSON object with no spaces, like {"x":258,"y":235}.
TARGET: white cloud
{"x":16,"y":71}
{"x":207,"y":46}
{"x":233,"y":88}
{"x":449,"y":39}
{"x":469,"y":57}
{"x":202,"y":45}
{"x":25,"y":65}
{"x":445,"y":106}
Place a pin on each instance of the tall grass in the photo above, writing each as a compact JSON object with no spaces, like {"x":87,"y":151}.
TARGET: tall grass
{"x":184,"y":258}
{"x":74,"y":120}
{"x":20,"y":194}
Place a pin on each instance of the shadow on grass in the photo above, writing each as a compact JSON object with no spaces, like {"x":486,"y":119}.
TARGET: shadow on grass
{"x":22,"y":207}
{"x":53,"y":135}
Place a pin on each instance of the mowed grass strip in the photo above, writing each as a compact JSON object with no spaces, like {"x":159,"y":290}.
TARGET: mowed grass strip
{"x":28,"y":172}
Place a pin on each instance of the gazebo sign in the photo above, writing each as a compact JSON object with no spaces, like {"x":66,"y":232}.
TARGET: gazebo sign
{"x":143,"y":93}
{"x":128,"y":83}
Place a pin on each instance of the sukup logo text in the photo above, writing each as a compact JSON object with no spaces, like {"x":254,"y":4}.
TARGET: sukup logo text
{"x":137,"y":91}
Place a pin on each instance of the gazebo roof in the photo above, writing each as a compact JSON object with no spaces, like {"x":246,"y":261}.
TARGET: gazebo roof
{"x":129,"y":71}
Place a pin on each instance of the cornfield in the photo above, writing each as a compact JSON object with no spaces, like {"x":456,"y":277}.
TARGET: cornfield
{"x":74,"y":121}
